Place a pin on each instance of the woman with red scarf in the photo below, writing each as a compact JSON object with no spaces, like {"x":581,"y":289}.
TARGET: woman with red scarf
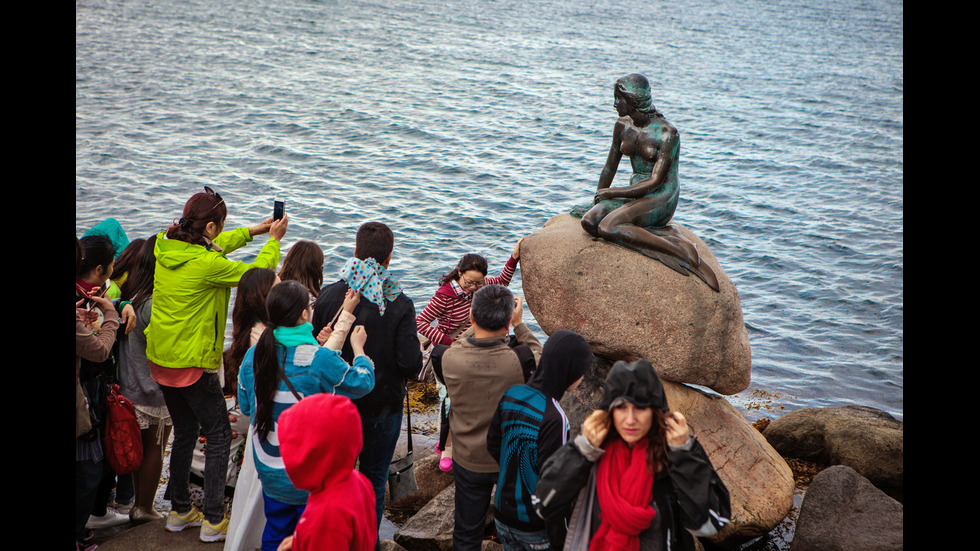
{"x":636,"y":474}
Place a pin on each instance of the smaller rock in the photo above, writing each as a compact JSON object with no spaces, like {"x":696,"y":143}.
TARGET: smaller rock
{"x":843,"y":511}
{"x":432,"y":527}
{"x":866,"y":439}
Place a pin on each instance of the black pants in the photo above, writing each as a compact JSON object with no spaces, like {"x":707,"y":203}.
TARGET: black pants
{"x":473,"y":492}
{"x":195,"y":409}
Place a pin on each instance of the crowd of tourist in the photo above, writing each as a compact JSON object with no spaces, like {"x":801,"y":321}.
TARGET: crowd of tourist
{"x":283,"y":438}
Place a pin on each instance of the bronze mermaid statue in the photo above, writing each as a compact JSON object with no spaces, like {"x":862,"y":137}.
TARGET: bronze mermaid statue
{"x":636,"y":216}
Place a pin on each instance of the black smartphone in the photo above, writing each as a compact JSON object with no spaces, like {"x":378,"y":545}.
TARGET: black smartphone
{"x":278,"y":209}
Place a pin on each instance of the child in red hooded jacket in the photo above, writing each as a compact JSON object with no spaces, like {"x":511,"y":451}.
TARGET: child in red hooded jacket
{"x":320,"y":439}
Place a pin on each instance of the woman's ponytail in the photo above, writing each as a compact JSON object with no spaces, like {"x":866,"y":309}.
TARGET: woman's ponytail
{"x":285,"y":305}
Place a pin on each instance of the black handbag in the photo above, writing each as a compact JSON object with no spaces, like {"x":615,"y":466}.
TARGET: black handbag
{"x":401,"y":472}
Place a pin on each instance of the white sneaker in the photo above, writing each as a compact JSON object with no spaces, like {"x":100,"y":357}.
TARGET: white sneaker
{"x":123,"y":508}
{"x":111,"y":517}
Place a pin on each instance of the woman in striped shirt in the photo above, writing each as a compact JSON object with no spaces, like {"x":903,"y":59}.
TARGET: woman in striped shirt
{"x":449,"y":308}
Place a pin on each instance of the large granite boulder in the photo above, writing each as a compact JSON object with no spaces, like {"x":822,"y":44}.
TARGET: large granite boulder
{"x":865,"y":439}
{"x":630,"y":306}
{"x":843,"y":511}
{"x":760,"y":483}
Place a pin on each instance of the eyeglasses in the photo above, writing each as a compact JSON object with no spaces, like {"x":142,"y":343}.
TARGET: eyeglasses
{"x":467,"y":283}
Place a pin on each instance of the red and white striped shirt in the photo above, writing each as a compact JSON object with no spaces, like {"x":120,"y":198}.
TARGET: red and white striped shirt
{"x":450,"y":307}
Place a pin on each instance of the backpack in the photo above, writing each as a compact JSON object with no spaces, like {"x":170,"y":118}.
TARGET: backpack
{"x":123,"y":441}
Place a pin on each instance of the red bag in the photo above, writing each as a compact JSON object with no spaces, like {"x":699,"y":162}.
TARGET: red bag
{"x":123,"y":441}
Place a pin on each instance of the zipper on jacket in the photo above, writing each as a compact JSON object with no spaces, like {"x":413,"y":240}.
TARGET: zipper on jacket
{"x":214,"y":342}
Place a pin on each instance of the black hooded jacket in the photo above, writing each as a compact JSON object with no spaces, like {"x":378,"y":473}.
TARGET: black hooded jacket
{"x":689,"y":498}
{"x":392,"y":345}
{"x":529,"y":425}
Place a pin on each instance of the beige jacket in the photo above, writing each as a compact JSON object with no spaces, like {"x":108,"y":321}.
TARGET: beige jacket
{"x":477,"y":373}
{"x":95,"y":348}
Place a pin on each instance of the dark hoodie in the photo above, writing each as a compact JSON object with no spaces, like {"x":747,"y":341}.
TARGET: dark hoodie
{"x":634,"y":382}
{"x":320,"y":439}
{"x":529,"y":425}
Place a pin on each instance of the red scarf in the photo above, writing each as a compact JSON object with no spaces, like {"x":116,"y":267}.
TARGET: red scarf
{"x":624,"y":486}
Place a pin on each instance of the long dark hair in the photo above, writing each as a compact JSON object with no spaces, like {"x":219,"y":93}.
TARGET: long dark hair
{"x":304,"y":263}
{"x":253,"y":288}
{"x":127,"y":259}
{"x":468,"y":262}
{"x":97,"y":250}
{"x":201,"y":209}
{"x":657,"y":450}
{"x":285,"y":303}
{"x":138,"y":287}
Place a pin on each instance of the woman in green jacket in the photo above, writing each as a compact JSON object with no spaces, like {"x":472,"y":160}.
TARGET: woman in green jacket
{"x":185,"y":340}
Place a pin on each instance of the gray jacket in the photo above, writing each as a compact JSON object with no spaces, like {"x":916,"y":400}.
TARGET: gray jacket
{"x":134,"y":369}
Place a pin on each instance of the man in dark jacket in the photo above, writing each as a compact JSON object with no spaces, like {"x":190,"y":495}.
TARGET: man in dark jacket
{"x":388,"y":317}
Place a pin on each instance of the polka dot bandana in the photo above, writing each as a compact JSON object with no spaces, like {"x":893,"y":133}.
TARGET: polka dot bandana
{"x":372,"y":280}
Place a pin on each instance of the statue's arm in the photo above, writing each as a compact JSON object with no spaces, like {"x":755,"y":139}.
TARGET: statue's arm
{"x":613,"y":159}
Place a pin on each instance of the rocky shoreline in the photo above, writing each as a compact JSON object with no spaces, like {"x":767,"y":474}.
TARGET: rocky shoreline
{"x":816,"y":461}
{"x":810,"y":479}
{"x":399,"y":532}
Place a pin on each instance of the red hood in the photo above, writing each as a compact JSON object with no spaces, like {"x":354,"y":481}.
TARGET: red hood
{"x":319,"y":439}
{"x":447,"y":290}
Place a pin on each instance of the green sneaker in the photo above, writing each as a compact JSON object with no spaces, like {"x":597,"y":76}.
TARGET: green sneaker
{"x":215,"y":532}
{"x":176,"y":522}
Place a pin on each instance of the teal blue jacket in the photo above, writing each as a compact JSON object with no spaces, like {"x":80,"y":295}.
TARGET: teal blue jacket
{"x":311,"y":369}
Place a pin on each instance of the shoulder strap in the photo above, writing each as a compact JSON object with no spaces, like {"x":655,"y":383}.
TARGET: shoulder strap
{"x":436,"y":358}
{"x":457,"y":332}
{"x":526,"y":356}
{"x":282,"y":374}
{"x":408,"y":418}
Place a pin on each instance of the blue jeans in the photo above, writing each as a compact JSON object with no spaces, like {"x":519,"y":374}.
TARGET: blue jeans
{"x":195,"y":409}
{"x":280,"y":521}
{"x":473,"y":491}
{"x":380,"y":432}
{"x":519,"y":540}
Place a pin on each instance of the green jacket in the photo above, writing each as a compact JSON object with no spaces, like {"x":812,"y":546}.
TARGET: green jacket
{"x":191,"y":291}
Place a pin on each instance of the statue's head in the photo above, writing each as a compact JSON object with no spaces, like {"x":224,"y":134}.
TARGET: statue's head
{"x":634,"y":89}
